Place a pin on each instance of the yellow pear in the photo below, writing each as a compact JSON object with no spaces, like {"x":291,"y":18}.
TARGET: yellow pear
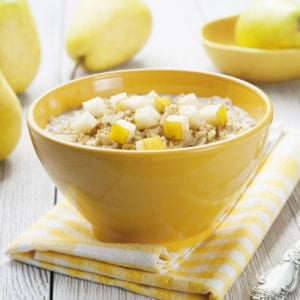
{"x":19,"y":44}
{"x":106,"y":33}
{"x":269,"y":24}
{"x":10,"y":119}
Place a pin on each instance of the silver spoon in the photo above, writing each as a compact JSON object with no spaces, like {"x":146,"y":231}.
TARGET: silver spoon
{"x":281,"y":280}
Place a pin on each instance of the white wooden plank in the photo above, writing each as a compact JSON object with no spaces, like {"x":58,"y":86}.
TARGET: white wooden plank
{"x":25,"y":190}
{"x":68,"y":288}
{"x":285,"y":97}
{"x":214,"y":9}
{"x":20,"y":205}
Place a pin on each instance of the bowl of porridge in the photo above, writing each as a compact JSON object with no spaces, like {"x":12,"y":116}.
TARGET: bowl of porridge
{"x":151,"y":156}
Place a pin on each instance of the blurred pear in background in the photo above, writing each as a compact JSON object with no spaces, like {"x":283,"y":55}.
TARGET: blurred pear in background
{"x":19,"y":44}
{"x":270,"y":24}
{"x":10,"y":119}
{"x":106,"y":33}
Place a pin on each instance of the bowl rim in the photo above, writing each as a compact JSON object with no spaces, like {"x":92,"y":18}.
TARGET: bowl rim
{"x":267,"y":118}
{"x":235,"y":47}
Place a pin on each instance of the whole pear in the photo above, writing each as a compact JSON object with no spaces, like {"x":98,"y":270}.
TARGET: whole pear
{"x":270,"y":24}
{"x":106,"y":33}
{"x":10,"y":119}
{"x":19,"y":44}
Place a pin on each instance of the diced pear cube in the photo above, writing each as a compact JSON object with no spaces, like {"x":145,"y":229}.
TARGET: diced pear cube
{"x":122,"y":131}
{"x":222,"y":115}
{"x":175,"y":127}
{"x":84,"y":122}
{"x":96,"y":106}
{"x":132,"y":103}
{"x":118,"y":97}
{"x":153,"y":143}
{"x":192,"y":113}
{"x":119,"y":106}
{"x":149,"y":98}
{"x":189,"y":99}
{"x":215,"y":115}
{"x":161,"y":103}
{"x":146,"y":117}
{"x":151,"y":94}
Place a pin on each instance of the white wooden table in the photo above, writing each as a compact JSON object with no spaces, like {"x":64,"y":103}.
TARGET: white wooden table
{"x":26,"y":192}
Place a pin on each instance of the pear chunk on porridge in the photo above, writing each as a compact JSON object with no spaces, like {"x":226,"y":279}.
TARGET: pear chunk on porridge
{"x":150,"y":122}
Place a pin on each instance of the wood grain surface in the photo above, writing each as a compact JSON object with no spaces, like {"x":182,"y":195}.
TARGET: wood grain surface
{"x":26,"y":191}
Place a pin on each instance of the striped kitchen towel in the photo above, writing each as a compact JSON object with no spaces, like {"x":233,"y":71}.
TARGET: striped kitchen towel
{"x":62,"y":241}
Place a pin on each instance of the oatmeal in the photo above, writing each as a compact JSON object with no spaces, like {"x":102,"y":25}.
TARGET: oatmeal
{"x":150,"y":122}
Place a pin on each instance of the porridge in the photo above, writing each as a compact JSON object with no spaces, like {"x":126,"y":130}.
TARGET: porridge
{"x":150,"y":122}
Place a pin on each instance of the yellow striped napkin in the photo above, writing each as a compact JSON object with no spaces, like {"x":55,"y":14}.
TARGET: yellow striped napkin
{"x":63,"y":241}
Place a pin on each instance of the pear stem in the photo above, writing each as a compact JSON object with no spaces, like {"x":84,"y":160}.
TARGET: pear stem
{"x":76,"y":67}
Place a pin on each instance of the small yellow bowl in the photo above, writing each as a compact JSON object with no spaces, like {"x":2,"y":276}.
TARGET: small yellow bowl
{"x":256,"y":65}
{"x":172,"y":197}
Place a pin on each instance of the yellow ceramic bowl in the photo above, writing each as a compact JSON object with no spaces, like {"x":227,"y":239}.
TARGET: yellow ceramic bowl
{"x":173,"y":197}
{"x":256,"y":65}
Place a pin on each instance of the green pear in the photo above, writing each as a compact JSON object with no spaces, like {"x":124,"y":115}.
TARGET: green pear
{"x":10,"y":119}
{"x":270,"y":24}
{"x":19,"y":44}
{"x":106,"y":33}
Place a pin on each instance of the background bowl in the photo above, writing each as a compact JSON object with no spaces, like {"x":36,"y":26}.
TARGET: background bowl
{"x":173,"y":197}
{"x":257,"y":65}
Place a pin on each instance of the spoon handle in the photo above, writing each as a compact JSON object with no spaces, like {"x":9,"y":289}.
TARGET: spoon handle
{"x":281,"y":280}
